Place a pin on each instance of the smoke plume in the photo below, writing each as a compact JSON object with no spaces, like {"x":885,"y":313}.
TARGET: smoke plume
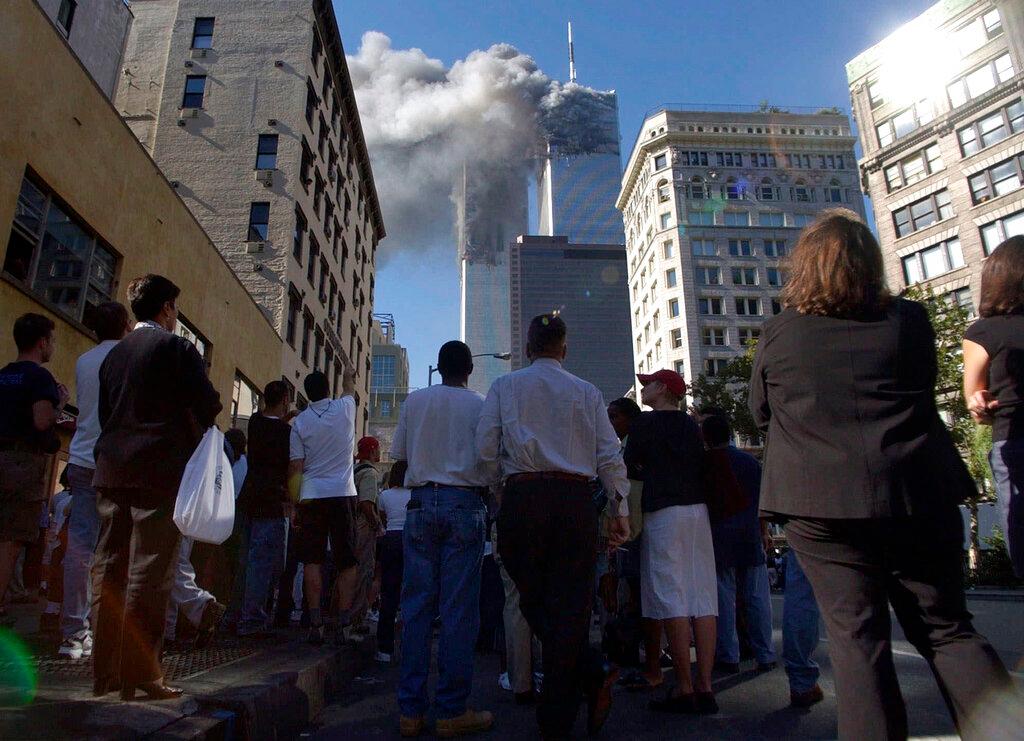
{"x":425,"y":124}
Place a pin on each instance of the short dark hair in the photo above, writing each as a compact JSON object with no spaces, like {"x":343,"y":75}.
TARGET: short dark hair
{"x":716,"y":431}
{"x":236,"y":438}
{"x":546,"y":334}
{"x":1002,"y":279}
{"x":109,"y":320}
{"x":455,"y":360}
{"x":627,"y":407}
{"x":148,"y":294}
{"x":396,"y":476}
{"x":275,"y":392}
{"x":30,"y":328}
{"x":316,"y":385}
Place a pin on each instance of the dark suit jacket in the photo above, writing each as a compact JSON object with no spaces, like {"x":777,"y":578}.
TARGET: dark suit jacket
{"x":155,"y":402}
{"x":848,"y":407}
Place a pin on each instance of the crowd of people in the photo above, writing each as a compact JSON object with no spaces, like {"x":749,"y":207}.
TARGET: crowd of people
{"x":652,"y":524}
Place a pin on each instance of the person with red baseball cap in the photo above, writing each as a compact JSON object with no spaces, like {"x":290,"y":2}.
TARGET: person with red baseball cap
{"x":677,"y":567}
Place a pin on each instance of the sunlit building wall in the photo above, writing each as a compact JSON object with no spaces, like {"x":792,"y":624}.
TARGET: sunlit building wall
{"x":712,"y":201}
{"x":941,"y":121}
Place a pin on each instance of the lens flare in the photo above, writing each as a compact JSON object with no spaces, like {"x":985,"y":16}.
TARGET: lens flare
{"x":18,"y":680}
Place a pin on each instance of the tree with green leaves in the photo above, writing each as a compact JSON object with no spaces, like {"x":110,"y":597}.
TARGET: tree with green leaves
{"x":727,"y":390}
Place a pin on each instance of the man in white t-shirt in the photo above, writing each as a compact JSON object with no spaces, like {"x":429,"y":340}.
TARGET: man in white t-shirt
{"x":320,"y":477}
{"x":110,"y":322}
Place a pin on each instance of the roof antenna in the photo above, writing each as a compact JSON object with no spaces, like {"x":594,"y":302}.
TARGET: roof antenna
{"x":572,"y":57}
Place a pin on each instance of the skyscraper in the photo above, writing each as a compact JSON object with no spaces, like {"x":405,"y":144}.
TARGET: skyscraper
{"x":586,"y":285}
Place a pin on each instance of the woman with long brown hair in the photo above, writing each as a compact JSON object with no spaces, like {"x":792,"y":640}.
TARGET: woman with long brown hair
{"x":994,"y":383}
{"x":864,"y":474}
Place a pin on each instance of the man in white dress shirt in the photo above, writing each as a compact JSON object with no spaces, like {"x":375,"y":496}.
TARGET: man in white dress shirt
{"x":443,"y":545}
{"x":550,"y":433}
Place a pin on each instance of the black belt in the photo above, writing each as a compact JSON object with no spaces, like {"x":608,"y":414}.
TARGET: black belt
{"x":548,"y":476}
{"x":479,"y":490}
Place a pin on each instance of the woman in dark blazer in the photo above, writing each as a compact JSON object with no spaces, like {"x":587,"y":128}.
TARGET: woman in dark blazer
{"x":865,"y":476}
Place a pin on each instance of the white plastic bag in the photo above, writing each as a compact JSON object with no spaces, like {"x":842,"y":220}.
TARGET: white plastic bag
{"x":205,"y":508}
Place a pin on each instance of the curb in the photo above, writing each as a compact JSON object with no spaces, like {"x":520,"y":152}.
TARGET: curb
{"x":1002,"y":596}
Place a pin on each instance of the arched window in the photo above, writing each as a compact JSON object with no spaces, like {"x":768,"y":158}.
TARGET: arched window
{"x":766,"y":191}
{"x":800,"y":192}
{"x":834,"y":192}
{"x":733,"y":190}
{"x":698,"y":190}
{"x":664,"y":192}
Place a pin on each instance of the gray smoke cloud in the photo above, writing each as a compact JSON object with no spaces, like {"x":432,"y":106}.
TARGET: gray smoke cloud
{"x":425,"y":122}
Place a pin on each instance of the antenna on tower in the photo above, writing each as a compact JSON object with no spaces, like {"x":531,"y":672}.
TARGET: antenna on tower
{"x":572,"y":57}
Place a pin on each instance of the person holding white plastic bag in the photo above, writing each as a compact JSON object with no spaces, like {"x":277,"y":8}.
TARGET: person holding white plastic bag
{"x":155,"y":403}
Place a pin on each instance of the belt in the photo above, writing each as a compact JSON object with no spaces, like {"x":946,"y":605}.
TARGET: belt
{"x":548,"y":476}
{"x":479,"y":490}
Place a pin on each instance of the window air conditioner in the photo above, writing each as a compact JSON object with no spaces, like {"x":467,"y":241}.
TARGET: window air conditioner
{"x":252,"y":247}
{"x":266,"y":177}
{"x":199,"y":53}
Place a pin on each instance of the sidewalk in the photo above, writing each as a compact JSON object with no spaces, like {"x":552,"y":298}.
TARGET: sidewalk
{"x":996,"y":594}
{"x":234,"y":689}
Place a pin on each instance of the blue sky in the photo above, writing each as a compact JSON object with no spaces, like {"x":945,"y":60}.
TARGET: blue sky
{"x":790,"y":52}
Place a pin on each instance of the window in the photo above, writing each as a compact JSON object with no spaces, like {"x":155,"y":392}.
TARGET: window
{"x":714,"y":366}
{"x":307,"y":331}
{"x":306,"y":166}
{"x":740,"y":248}
{"x":710,"y":307}
{"x":993,"y":23}
{"x":995,"y":233}
{"x":916,"y":167}
{"x":318,"y":348}
{"x":776,"y":305}
{"x":323,"y":280}
{"x":294,"y":306}
{"x":669,"y":250}
{"x":298,"y":234}
{"x":259,"y":221}
{"x":66,"y":15}
{"x":661,"y":162}
{"x":766,"y":191}
{"x":744,"y":276}
{"x":729,"y":159}
{"x":696,"y":189}
{"x":748,"y":335}
{"x":245,"y":399}
{"x":681,"y":367}
{"x":775,"y":277}
{"x":746,"y":306}
{"x":57,"y":257}
{"x":703,"y":247}
{"x":933,"y":261}
{"x":311,"y":102}
{"x":664,"y":191}
{"x":188,"y":332}
{"x":318,"y":191}
{"x":771,"y":218}
{"x":922,"y":213}
{"x":801,"y":193}
{"x":317,"y":49}
{"x":202,"y":33}
{"x":905,"y":122}
{"x":665,"y":220}
{"x":801,"y":220}
{"x":701,"y":218}
{"x":707,"y":276}
{"x":799,"y":161}
{"x":875,"y":95}
{"x":732,"y":190}
{"x":673,"y":308}
{"x":962,"y":297}
{"x":656,"y":320}
{"x":762,"y":159}
{"x":677,"y":338}
{"x":670,"y":278}
{"x":992,"y":128}
{"x":775,"y":248}
{"x":714,"y":336}
{"x":266,"y":152}
{"x":694,"y":159}
{"x":314,"y":253}
{"x":834,"y":192}
{"x":980,"y":81}
{"x":737,"y":218}
{"x":385,"y":407}
{"x":195,"y":85}
{"x":1005,"y":177}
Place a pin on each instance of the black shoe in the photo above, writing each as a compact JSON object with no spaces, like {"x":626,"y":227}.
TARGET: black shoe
{"x":153,"y":690}
{"x":706,"y":703}
{"x":315,"y":636}
{"x":769,"y":666}
{"x":104,"y":685}
{"x":599,"y":700}
{"x":666,"y":660}
{"x":526,"y":698}
{"x":806,"y":699}
{"x":727,"y":667}
{"x":49,"y":622}
{"x":679,"y":704}
{"x":212,"y":614}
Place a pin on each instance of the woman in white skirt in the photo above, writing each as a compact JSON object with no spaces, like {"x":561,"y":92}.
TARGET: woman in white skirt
{"x":677,"y":569}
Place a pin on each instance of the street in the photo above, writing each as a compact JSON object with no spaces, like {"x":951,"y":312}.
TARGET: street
{"x":753,"y":706}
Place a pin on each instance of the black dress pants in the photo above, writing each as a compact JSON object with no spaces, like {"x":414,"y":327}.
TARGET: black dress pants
{"x":133,"y":572}
{"x":857,"y":568}
{"x":389,"y":556}
{"x":547,"y":540}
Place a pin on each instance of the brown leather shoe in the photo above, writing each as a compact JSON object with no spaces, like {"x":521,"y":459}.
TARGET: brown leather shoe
{"x":806,"y":699}
{"x":410,"y":727}
{"x":471,"y":721}
{"x":599,"y":701}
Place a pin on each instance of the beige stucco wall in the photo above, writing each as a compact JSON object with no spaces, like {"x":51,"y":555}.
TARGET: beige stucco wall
{"x":57,"y":122}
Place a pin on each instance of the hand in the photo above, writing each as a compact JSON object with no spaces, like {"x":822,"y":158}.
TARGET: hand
{"x":369,"y":511}
{"x":64,"y":394}
{"x":982,"y":405}
{"x":289,"y":510}
{"x":348,"y":379}
{"x":618,"y":532}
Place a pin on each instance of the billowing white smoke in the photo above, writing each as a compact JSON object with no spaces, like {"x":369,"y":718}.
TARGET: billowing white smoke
{"x":423,"y":122}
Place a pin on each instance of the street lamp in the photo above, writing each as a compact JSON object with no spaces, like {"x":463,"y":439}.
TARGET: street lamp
{"x":496,"y":355}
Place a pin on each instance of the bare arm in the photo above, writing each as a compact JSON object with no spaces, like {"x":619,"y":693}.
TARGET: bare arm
{"x":44,"y":415}
{"x":295,"y":469}
{"x":488,"y":430}
{"x":348,"y":380}
{"x":979,"y":399}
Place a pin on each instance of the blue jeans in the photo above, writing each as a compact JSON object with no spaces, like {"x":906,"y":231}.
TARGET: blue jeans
{"x":443,"y":550}
{"x":799,"y":628}
{"x":752,"y":582}
{"x":83,"y":531}
{"x":266,"y":543}
{"x":1007,"y":461}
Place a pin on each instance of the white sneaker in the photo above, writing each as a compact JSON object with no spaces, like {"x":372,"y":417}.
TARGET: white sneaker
{"x":296,"y":616}
{"x":382,"y":658}
{"x":504,"y":682}
{"x":77,"y":646}
{"x":373,"y":616}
